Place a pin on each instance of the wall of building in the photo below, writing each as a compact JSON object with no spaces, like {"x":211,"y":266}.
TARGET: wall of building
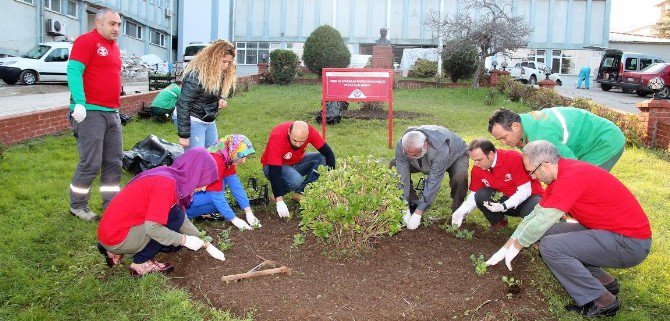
{"x":19,"y":27}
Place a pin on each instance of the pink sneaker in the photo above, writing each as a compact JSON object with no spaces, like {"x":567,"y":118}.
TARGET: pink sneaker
{"x":151,"y":266}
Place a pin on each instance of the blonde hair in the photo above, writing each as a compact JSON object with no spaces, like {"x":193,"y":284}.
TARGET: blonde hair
{"x":208,"y":65}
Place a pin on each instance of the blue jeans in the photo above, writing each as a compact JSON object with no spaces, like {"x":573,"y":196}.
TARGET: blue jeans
{"x":176,"y":218}
{"x":210,"y":202}
{"x":202,"y":135}
{"x":292,"y":174}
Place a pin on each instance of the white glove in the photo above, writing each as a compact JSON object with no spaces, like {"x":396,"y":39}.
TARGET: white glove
{"x":495,"y":207}
{"x":414,"y":221}
{"x":457,"y":217}
{"x":510,"y":255}
{"x":193,"y":242}
{"x":406,"y":215}
{"x":79,"y":113}
{"x":252,"y":220}
{"x":214,"y":252}
{"x":497,"y":257}
{"x":282,"y":209}
{"x":240,"y":224}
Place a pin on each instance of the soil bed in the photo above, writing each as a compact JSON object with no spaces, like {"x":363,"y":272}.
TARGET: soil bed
{"x":424,"y":274}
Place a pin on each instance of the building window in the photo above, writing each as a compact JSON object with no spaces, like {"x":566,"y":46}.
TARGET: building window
{"x":157,"y":38}
{"x":72,"y":8}
{"x":251,"y":53}
{"x":133,"y":30}
{"x":26,"y":1}
{"x":53,"y":5}
{"x":568,"y":62}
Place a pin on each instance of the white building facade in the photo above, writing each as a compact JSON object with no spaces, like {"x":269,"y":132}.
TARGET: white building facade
{"x":148,"y":25}
{"x":561,"y":29}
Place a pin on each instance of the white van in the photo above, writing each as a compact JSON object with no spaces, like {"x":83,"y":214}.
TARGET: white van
{"x":193,"y":49}
{"x":616,"y":63}
{"x":45,"y":62}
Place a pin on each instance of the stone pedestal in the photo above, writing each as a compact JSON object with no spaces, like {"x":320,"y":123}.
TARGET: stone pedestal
{"x":547,"y":83}
{"x":655,"y":116}
{"x":495,"y":76}
{"x":382,"y":57}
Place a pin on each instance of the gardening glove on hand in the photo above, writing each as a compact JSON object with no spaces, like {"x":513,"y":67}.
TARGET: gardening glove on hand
{"x":214,"y":252}
{"x":406,"y":215}
{"x":457,"y":217}
{"x":495,"y":207}
{"x":497,"y":257}
{"x":193,"y":242}
{"x":240,"y":224}
{"x":414,"y":221}
{"x":252,"y":220}
{"x":79,"y":113}
{"x":282,"y":209}
{"x":510,"y":255}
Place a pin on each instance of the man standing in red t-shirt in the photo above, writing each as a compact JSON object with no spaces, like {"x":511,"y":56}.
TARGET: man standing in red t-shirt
{"x":285,"y":161}
{"x":94,"y":78}
{"x":499,"y":185}
{"x":612,"y":230}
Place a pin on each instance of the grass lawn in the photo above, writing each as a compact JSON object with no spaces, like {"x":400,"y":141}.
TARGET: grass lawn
{"x":50,"y":269}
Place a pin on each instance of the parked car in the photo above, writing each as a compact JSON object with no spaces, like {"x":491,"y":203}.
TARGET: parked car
{"x":193,"y":49}
{"x":616,"y":64}
{"x":45,"y":62}
{"x":638,"y":81}
{"x":530,"y":72}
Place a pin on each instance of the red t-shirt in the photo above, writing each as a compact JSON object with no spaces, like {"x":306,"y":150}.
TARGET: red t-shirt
{"x":279,"y":150}
{"x":224,"y":171}
{"x":148,"y":199}
{"x":596,"y":199}
{"x":102,"y":76}
{"x":507,"y":174}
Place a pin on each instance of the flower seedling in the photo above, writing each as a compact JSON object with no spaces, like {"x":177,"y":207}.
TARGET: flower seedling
{"x":298,"y":239}
{"x":513,"y":285}
{"x":480,"y":264}
{"x":224,"y":239}
{"x":497,"y":196}
{"x":465,"y":234}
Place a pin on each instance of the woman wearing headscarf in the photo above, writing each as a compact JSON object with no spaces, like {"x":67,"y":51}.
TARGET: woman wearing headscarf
{"x":227,"y":152}
{"x":206,"y":83}
{"x":147,"y":216}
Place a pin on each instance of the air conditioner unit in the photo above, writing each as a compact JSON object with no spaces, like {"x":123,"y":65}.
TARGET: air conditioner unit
{"x":54,"y":27}
{"x":168,"y":12}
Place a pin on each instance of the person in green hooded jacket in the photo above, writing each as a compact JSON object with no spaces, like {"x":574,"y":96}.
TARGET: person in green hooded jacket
{"x":576,"y":133}
{"x":163,"y":105}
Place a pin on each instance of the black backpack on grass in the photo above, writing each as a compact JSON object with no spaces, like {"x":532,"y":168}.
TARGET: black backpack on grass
{"x":333,"y":109}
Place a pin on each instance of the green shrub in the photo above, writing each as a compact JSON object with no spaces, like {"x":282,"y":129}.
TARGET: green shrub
{"x":544,"y":98}
{"x":461,"y":62}
{"x":324,"y":48}
{"x":423,"y":68}
{"x":353,"y":204}
{"x":283,"y":66}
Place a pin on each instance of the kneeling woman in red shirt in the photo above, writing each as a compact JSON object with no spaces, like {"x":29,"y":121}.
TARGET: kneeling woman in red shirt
{"x":148,"y":217}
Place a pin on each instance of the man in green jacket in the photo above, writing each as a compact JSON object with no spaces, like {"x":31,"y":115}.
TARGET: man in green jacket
{"x":576,"y":133}
{"x":163,"y":105}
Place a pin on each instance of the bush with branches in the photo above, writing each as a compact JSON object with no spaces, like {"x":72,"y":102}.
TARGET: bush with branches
{"x":283,"y":66}
{"x":423,"y":68}
{"x":461,"y":61}
{"x":353,"y":204}
{"x":324,"y":48}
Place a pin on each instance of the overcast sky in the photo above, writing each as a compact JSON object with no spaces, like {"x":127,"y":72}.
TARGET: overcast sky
{"x":630,"y":14}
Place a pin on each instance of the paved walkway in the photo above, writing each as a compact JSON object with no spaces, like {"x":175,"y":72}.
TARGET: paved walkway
{"x":614,"y":98}
{"x":19,"y":104}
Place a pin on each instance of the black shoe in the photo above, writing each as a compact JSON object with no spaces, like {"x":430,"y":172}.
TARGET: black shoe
{"x":581,"y":309}
{"x":613,"y":287}
{"x":608,"y":311}
{"x":212,"y":217}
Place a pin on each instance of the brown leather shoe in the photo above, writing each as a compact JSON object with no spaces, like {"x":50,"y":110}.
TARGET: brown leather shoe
{"x":151,"y":266}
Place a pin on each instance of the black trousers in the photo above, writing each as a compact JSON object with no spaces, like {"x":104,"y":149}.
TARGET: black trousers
{"x":485,"y":194}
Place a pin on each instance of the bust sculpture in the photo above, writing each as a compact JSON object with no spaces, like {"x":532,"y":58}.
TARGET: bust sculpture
{"x":383,"y":41}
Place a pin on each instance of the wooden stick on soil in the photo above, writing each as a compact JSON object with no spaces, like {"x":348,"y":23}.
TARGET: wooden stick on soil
{"x":235,"y":277}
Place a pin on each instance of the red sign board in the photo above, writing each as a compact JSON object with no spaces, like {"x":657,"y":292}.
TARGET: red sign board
{"x":357,"y":84}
